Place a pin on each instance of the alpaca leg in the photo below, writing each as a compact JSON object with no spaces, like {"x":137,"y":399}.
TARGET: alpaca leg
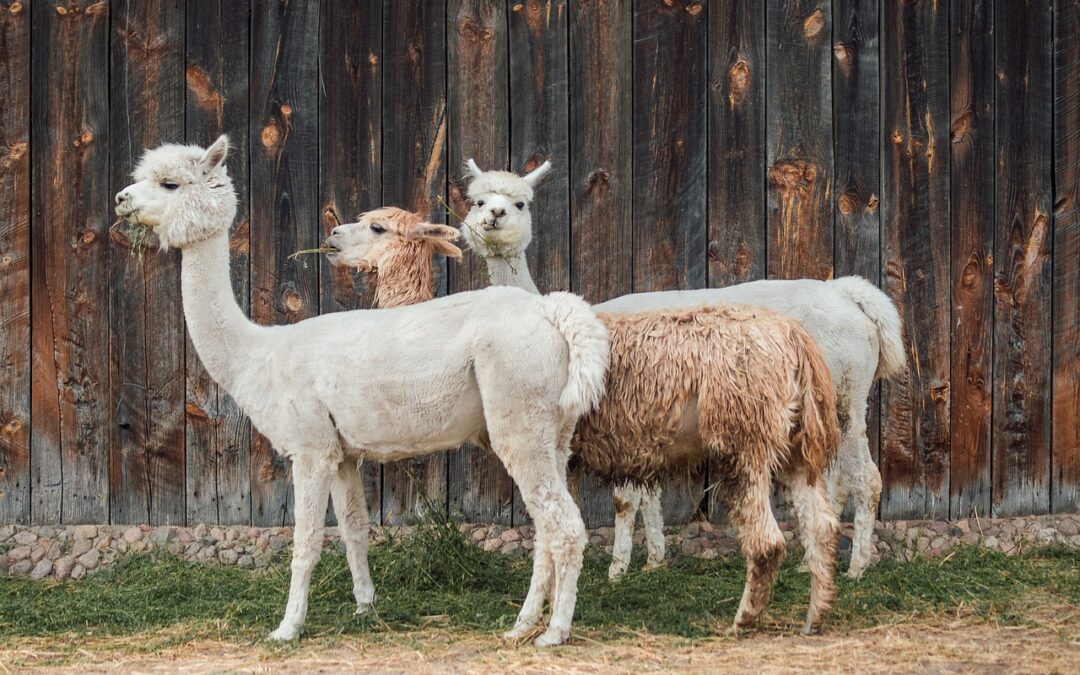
{"x":566,"y":547}
{"x":653,"y":517}
{"x":311,"y":484}
{"x":532,"y":610}
{"x":762,"y":545}
{"x":350,"y":506}
{"x":627,"y":499}
{"x":819,"y":531}
{"x":867,"y":495}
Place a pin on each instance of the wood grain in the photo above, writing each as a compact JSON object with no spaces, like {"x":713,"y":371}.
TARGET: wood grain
{"x":414,"y":118}
{"x":1022,"y":267}
{"x":146,"y":320}
{"x":15,"y":263}
{"x":800,"y":139}
{"x":284,"y":128}
{"x":1066,"y":303}
{"x":69,"y":62}
{"x":915,"y":256}
{"x":479,"y":488}
{"x":972,"y":179}
{"x":736,"y":176}
{"x":218,"y":434}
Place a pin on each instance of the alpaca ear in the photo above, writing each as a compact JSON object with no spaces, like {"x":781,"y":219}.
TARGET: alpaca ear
{"x":447,"y":249}
{"x":473,"y":169}
{"x":534,"y":176}
{"x":434,"y":231}
{"x":214,"y":155}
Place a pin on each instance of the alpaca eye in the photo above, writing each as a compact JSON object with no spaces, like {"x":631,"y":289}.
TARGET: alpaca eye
{"x":479,"y":205}
{"x":520,"y":205}
{"x":378,"y":229}
{"x":169,"y":185}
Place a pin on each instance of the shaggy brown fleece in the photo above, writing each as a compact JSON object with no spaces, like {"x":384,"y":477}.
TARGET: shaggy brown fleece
{"x":735,"y":383}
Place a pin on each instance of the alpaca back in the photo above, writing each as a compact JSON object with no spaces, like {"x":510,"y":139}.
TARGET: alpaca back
{"x":719,"y":381}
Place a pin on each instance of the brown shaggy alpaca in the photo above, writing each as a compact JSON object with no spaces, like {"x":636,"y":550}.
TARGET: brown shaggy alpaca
{"x":746,"y":389}
{"x":395,"y":247}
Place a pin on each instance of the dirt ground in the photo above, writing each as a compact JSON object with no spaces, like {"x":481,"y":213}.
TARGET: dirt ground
{"x":1049,"y":644}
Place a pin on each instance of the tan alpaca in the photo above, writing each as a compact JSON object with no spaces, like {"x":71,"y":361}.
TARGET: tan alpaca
{"x":743,"y":387}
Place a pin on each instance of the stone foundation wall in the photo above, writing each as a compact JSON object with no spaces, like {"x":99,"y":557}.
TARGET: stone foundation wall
{"x":74,"y":552}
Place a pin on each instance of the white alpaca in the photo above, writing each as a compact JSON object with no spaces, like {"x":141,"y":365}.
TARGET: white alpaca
{"x":379,"y":385}
{"x":855,"y":325}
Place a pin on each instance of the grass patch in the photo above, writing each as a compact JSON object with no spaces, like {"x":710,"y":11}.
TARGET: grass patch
{"x":438,"y":578}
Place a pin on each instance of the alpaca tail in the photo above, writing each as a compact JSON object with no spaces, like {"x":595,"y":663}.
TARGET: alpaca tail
{"x":877,"y":307}
{"x":587,"y":339}
{"x":818,"y":435}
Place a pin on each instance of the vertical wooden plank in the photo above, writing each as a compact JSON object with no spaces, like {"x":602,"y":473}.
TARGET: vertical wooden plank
{"x":972,"y":180}
{"x":669,"y":127}
{"x":350,"y":140}
{"x":284,"y":199}
{"x":15,"y":263}
{"x":915,"y":257}
{"x":72,"y":211}
{"x":1022,"y":265}
{"x":218,"y":435}
{"x":1066,"y":385}
{"x":736,"y":175}
{"x":601,"y":178}
{"x":856,"y":156}
{"x":146,"y":320}
{"x":800,"y":139}
{"x":478,"y":114}
{"x":538,"y":132}
{"x":414,"y":177}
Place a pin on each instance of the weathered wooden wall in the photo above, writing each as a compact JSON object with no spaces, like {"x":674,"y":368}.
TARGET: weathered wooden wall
{"x":933,"y":147}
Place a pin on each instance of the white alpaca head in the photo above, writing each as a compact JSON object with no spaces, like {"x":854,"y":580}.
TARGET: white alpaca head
{"x":499,"y":221}
{"x":182,"y":192}
{"x":367,"y":243}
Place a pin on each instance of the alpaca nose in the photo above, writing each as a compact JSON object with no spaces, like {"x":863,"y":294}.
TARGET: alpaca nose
{"x":122,"y":196}
{"x":336,"y":231}
{"x":498,"y":213}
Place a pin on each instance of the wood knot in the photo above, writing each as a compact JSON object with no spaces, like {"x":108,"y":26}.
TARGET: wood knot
{"x":198,"y":83}
{"x":694,"y":9}
{"x":897,"y":137}
{"x":793,"y":175}
{"x":517,"y":7}
{"x":271,"y":134}
{"x":598,"y":181}
{"x":15,"y":7}
{"x":872,"y":204}
{"x":738,"y":81}
{"x":843,"y":54}
{"x":813,"y":24}
{"x":292,"y":301}
{"x":940,"y":393}
{"x":84,"y":139}
{"x":533,"y":162}
{"x":286,"y":111}
{"x":266,"y":472}
{"x":848,"y":203}
{"x":6,"y":261}
{"x":373,"y":59}
{"x":961,"y":127}
{"x":17,"y":150}
{"x":13,"y":426}
{"x":413,"y":54}
{"x":193,"y":410}
{"x":62,"y":11}
{"x":88,"y":237}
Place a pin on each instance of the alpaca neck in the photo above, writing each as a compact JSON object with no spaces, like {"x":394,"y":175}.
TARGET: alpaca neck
{"x":510,"y":270}
{"x":404,"y":275}
{"x":220,"y":331}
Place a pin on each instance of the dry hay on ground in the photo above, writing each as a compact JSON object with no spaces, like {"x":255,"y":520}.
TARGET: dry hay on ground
{"x":1049,"y":642}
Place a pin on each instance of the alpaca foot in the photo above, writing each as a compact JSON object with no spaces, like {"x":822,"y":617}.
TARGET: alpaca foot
{"x":616,"y":570}
{"x":857,"y":567}
{"x":363,"y":607}
{"x":519,"y":631}
{"x":810,"y":629}
{"x":552,"y":636}
{"x":284,"y":633}
{"x":654,"y":565}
